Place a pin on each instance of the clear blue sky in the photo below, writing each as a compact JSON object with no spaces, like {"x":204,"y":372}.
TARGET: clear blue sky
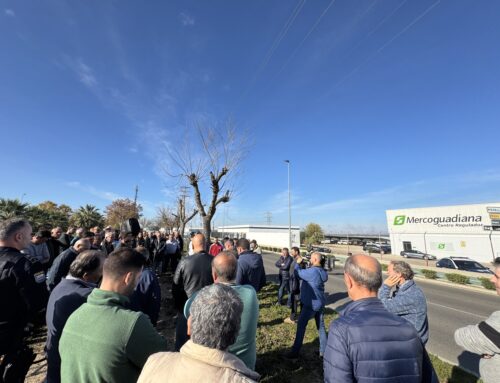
{"x":378,"y":104}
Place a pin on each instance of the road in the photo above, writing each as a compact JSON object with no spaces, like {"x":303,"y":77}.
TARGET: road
{"x":448,"y":308}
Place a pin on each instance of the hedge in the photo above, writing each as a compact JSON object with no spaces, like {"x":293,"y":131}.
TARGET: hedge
{"x":429,"y":274}
{"x":487,"y":284}
{"x":458,"y":278}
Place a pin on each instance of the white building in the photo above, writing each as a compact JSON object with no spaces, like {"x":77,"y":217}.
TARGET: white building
{"x":464,"y":230}
{"x":265,"y":235}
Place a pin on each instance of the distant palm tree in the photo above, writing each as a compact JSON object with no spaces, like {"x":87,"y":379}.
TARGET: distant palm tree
{"x":10,"y":208}
{"x":87,"y":216}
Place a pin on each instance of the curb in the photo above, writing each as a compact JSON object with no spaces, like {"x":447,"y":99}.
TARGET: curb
{"x":476,"y":288}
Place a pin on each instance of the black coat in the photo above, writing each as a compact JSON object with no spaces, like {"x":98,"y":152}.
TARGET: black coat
{"x":22,"y":295}
{"x":192,"y":274}
{"x":60,"y":267}
{"x":284,"y":264}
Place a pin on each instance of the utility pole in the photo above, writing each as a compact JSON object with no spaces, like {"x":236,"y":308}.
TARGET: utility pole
{"x":135,"y":200}
{"x":289,"y":208}
{"x":269,"y":217}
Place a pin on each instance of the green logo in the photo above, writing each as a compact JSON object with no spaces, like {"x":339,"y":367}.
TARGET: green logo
{"x":441,"y":246}
{"x":399,"y":220}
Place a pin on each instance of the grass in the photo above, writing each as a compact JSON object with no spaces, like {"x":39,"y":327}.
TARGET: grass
{"x":275,"y":338}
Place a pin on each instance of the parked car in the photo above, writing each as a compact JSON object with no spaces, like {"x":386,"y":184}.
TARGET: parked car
{"x":417,"y":254}
{"x":463,"y":263}
{"x":321,"y":249}
{"x":375,"y":248}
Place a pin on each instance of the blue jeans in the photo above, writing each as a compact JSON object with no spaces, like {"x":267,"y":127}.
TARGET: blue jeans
{"x":284,"y":285}
{"x":306,"y":314}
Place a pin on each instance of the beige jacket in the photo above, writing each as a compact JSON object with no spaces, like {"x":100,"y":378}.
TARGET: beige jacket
{"x":195,"y":363}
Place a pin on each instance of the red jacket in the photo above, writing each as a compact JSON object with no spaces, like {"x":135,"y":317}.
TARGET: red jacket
{"x":215,"y":248}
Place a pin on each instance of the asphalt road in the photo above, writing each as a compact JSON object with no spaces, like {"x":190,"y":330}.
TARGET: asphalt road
{"x":449,"y":308}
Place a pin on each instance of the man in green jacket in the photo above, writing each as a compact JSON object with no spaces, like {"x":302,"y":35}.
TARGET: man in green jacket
{"x":224,"y":268}
{"x":103,"y":341}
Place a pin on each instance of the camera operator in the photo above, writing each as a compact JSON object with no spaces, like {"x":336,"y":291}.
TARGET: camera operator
{"x":312,"y":297}
{"x":22,"y":295}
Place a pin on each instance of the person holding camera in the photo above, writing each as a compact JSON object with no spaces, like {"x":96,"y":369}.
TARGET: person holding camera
{"x":283,"y":264}
{"x":312,"y":297}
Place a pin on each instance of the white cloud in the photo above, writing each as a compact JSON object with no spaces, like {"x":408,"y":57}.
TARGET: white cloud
{"x":186,"y":19}
{"x":10,"y":13}
{"x":106,"y":195}
{"x":83,"y":72}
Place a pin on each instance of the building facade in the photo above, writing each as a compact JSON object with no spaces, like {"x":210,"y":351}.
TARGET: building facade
{"x":463,"y":230}
{"x":265,"y":235}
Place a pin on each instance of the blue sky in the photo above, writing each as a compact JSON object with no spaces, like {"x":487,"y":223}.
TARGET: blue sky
{"x":378,"y":104}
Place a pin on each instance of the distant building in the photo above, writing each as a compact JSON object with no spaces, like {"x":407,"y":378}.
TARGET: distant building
{"x":464,"y":230}
{"x":265,"y":235}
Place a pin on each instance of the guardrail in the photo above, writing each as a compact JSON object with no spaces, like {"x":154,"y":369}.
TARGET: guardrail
{"x":463,"y":278}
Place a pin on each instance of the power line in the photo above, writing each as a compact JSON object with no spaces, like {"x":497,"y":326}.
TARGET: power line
{"x":385,"y":45}
{"x":275,"y":45}
{"x":306,"y":36}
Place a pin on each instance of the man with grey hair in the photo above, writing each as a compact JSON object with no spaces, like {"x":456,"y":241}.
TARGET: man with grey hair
{"x":37,"y":249}
{"x":80,"y":233}
{"x":213,"y":324}
{"x":84,"y":274}
{"x":224,"y":268}
{"x":22,"y":292}
{"x":367,"y":343}
{"x":401,"y":296}
{"x":484,"y":338}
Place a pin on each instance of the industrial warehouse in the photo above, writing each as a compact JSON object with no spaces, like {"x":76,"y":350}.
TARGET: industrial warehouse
{"x":463,"y":230}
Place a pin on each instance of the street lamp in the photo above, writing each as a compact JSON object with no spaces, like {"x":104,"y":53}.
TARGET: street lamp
{"x":289,"y":210}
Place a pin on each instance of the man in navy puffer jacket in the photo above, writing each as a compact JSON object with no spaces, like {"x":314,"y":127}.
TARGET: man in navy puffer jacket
{"x":368,"y":343}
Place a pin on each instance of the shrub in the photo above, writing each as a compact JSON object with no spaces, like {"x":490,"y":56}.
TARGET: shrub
{"x":487,"y":284}
{"x":384,"y":266}
{"x":429,"y":274}
{"x":458,"y":278}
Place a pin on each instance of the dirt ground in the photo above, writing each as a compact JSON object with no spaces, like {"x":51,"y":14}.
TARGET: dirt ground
{"x":165,"y":326}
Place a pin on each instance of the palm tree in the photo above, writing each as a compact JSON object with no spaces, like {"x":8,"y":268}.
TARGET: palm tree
{"x":10,"y":208}
{"x":87,"y":216}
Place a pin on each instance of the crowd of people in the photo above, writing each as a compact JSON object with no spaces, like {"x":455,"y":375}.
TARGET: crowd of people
{"x":101,"y":296}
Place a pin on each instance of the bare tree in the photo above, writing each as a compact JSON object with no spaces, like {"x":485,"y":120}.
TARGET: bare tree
{"x":165,"y":218}
{"x":181,"y":216}
{"x":208,"y":161}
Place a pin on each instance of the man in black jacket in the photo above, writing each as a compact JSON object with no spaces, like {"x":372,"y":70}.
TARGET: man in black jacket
{"x":250,"y":266}
{"x":283,"y":264}
{"x":294,"y":298}
{"x":192,"y":274}
{"x":60,"y":267}
{"x":22,"y":289}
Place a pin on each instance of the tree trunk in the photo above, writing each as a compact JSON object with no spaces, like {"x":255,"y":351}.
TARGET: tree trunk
{"x":207,"y":227}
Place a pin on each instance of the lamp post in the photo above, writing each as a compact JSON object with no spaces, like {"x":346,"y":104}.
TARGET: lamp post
{"x":289,"y":209}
